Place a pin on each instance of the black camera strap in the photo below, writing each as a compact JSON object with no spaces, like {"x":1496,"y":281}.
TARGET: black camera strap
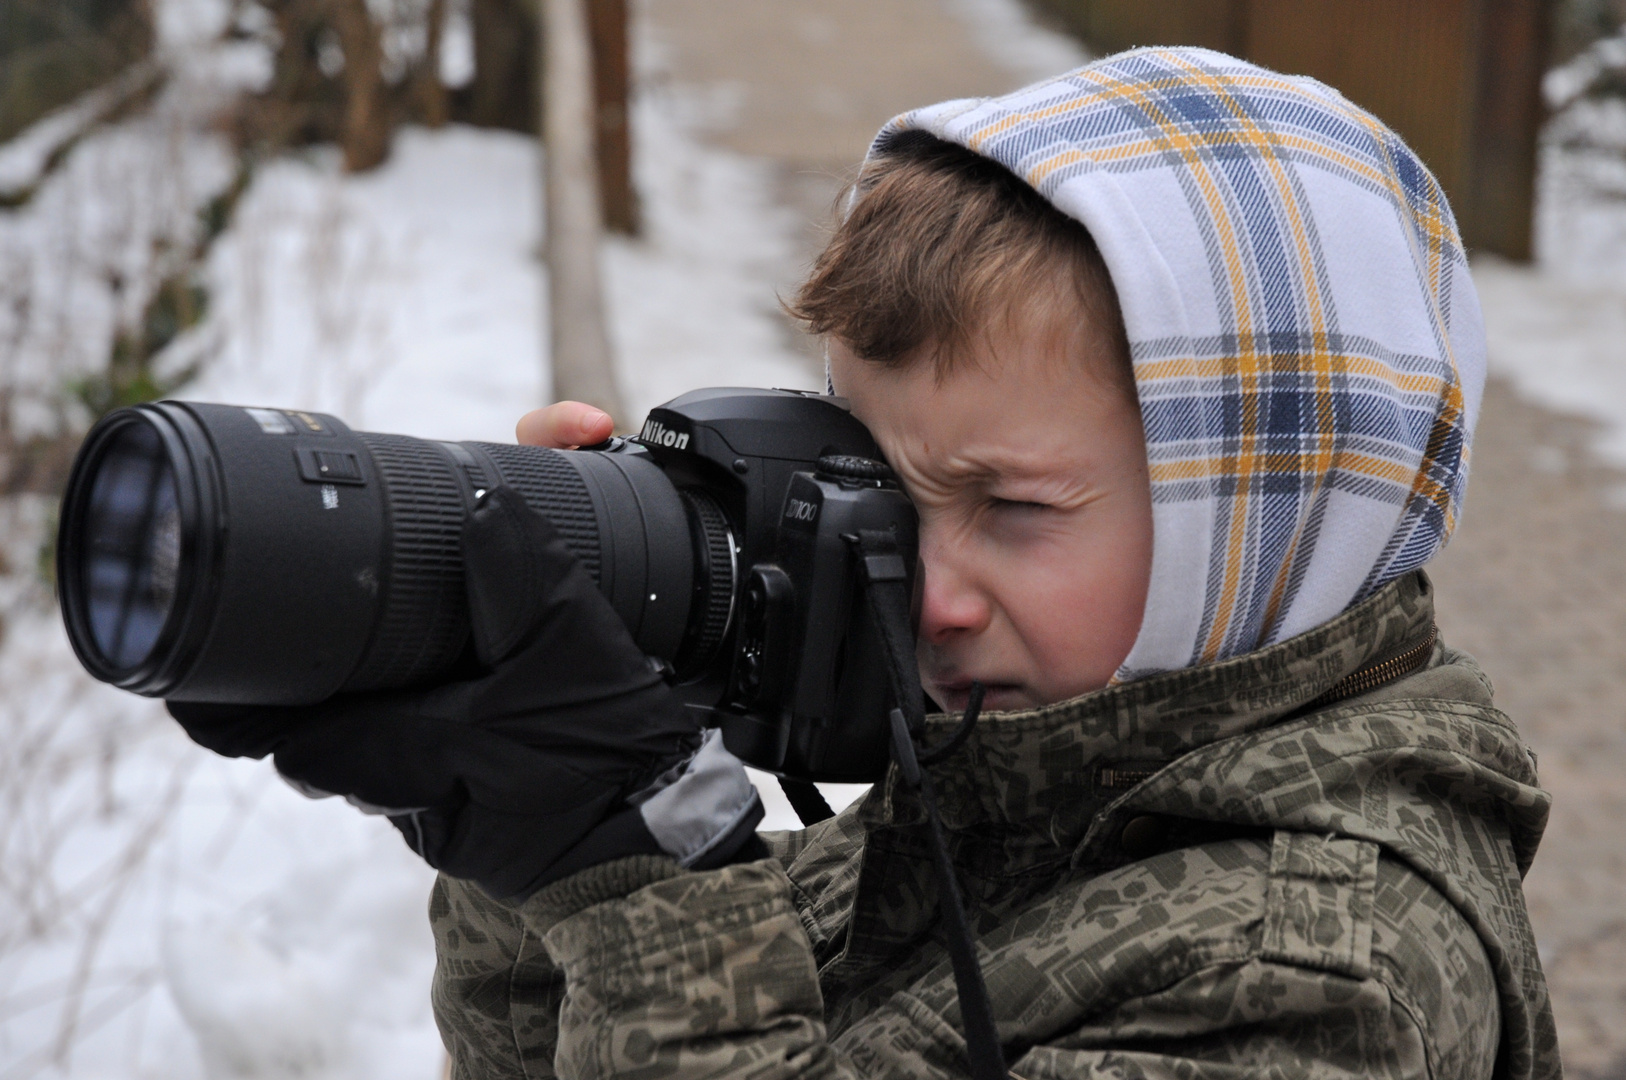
{"x":886,"y":585}
{"x":807,"y":800}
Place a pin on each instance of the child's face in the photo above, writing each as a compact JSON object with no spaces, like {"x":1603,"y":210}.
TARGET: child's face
{"x":1029,"y":473}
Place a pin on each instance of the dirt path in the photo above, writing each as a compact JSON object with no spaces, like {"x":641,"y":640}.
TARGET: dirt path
{"x":1534,"y":584}
{"x":805,"y":84}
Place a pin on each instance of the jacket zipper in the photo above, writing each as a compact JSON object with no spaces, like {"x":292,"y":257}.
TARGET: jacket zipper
{"x":1370,"y":678}
{"x":1363,"y":681}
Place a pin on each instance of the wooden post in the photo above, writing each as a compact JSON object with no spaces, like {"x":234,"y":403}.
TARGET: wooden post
{"x":432,"y":92}
{"x":1513,"y":37}
{"x":507,"y":48}
{"x":583,"y":366}
{"x":607,"y":20}
{"x":366,"y":134}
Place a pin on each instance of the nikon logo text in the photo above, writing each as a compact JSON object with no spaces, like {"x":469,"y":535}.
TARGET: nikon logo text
{"x":800,"y":510}
{"x":656,"y":433}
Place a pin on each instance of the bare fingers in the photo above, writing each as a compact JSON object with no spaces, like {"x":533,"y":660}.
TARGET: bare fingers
{"x":564,"y":425}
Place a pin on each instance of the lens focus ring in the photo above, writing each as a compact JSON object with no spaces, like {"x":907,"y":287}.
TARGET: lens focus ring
{"x":425,"y":619}
{"x":552,"y":487}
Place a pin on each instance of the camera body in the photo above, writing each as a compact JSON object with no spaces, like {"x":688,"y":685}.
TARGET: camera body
{"x":214,"y":553}
{"x":805,"y":692}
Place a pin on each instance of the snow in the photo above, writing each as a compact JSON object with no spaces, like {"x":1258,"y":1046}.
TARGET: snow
{"x":1008,"y":35}
{"x":410,"y":299}
{"x":1557,"y":328}
{"x":81,"y":258}
{"x":1567,"y":83}
{"x":24,"y":158}
{"x":168,"y":913}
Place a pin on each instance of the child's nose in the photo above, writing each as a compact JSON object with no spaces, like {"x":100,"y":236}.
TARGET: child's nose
{"x":951,"y":604}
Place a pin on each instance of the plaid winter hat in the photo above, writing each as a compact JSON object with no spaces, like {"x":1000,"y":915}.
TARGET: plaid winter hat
{"x":1306,"y":339}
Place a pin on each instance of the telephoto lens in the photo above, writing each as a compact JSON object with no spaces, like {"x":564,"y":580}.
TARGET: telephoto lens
{"x":269,"y":556}
{"x":214,"y":553}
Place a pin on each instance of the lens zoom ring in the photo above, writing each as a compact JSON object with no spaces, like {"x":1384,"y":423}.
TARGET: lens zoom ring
{"x":425,"y":619}
{"x":553,"y":487}
{"x":718,"y":603}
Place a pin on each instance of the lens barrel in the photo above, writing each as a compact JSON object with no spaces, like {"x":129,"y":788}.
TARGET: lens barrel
{"x":260,"y":556}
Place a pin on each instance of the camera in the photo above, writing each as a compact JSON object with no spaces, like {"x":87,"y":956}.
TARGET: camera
{"x":216,"y":553}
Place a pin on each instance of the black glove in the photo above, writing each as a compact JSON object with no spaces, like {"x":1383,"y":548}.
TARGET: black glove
{"x":571,"y":751}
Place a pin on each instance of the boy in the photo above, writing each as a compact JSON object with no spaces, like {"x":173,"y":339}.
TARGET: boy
{"x":1178,"y":360}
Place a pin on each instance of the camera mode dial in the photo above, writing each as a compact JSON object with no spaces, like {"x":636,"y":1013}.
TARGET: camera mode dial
{"x":852,"y":467}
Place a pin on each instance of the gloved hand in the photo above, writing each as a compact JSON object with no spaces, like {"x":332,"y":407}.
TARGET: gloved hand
{"x":570,"y":751}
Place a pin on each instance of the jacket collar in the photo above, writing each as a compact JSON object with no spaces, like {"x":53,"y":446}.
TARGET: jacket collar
{"x":1048,"y":771}
{"x":1425,"y":768}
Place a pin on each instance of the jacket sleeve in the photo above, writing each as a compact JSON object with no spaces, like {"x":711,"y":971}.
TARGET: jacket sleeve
{"x":496,"y":993}
{"x":678,"y":973}
{"x":499,"y":996}
{"x":658,"y":971}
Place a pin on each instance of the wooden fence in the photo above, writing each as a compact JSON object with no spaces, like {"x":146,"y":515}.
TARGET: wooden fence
{"x":1458,"y":79}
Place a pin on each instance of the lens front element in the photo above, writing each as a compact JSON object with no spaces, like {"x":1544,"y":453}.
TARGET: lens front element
{"x":132,"y":547}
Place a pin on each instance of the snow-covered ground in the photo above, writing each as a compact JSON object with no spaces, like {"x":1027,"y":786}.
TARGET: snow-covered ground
{"x":410,"y":299}
{"x":1557,"y":328}
{"x":167,"y":913}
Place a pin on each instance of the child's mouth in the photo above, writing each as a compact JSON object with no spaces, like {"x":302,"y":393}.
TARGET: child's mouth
{"x":954,"y":696}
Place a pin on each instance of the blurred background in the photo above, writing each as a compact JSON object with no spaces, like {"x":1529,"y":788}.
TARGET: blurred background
{"x":338,"y":205}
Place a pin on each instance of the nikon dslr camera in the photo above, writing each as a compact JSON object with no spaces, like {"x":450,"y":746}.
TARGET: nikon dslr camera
{"x":268,"y":556}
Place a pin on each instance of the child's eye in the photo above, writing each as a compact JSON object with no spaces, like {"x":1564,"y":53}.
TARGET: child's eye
{"x":1016,"y":505}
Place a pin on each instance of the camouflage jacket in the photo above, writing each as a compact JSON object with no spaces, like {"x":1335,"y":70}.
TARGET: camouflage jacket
{"x":1200,"y":874}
